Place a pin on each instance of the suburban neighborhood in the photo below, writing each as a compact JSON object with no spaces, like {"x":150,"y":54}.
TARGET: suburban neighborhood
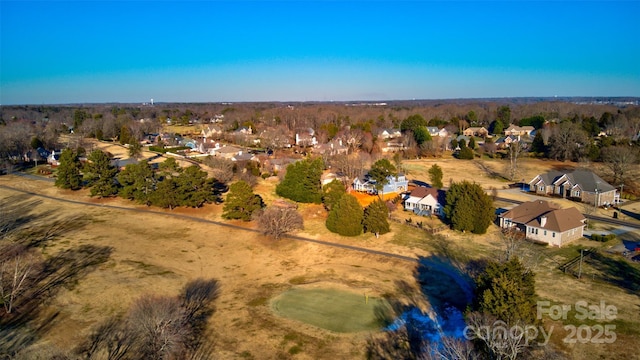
{"x":359,"y":215}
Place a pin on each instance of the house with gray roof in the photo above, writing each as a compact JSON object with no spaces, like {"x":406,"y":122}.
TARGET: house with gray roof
{"x":545,"y":222}
{"x":366,"y":184}
{"x":435,"y":131}
{"x":581,"y":185}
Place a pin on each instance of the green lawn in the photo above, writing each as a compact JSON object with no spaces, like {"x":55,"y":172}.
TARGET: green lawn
{"x":332,"y":309}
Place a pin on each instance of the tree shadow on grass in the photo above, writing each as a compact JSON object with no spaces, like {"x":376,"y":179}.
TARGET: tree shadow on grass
{"x":443,"y":283}
{"x":630,"y":214}
{"x":20,"y":224}
{"x":27,"y":323}
{"x":617,"y":271}
{"x":15,"y":213}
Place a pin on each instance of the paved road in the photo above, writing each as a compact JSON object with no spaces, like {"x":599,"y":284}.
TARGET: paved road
{"x":219,"y":223}
{"x":590,"y":217}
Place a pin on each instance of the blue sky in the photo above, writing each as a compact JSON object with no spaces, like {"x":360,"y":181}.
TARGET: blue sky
{"x":211,"y":51}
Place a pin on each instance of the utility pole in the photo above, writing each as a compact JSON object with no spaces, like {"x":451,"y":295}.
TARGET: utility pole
{"x":621,"y":188}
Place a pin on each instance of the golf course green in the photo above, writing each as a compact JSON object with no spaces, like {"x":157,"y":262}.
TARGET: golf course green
{"x":332,"y":309}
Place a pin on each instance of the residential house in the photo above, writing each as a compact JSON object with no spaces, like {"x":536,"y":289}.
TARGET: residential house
{"x":386,"y":134}
{"x":545,"y":222}
{"x":519,"y":130}
{"x":328,"y":177}
{"x":208,"y":147}
{"x":364,"y":183}
{"x":121,"y":164}
{"x":54,"y":158}
{"x":243,"y":156}
{"x":476,"y":131}
{"x":333,"y":147}
{"x":505,"y":141}
{"x":245,"y":130}
{"x":228,"y":151}
{"x":582,"y":185}
{"x":306,"y":137}
{"x":278,"y":164}
{"x":217,"y":118}
{"x":435,"y":132}
{"x":425,"y":201}
{"x":392,"y":146}
{"x":212,"y":132}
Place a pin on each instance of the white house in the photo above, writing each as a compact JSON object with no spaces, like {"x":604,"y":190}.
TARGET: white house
{"x":364,"y":183}
{"x":434,"y":131}
{"x":306,"y":137}
{"x":389,"y":134}
{"x":425,"y":201}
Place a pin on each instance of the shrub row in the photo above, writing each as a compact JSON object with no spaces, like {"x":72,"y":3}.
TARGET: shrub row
{"x":603,"y":237}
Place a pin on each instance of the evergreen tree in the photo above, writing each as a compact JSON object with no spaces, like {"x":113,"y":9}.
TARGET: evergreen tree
{"x":100,"y":175}
{"x":413,"y":122}
{"x":241,"y":202}
{"x":375,"y":218}
{"x":135,"y":149}
{"x":421,"y":135}
{"x":331,"y":193}
{"x":537,"y":145}
{"x":166,"y":194}
{"x":468,"y":208}
{"x":503,"y":116}
{"x":138,"y":182}
{"x":472,"y":143}
{"x":380,"y":171}
{"x":193,"y":187}
{"x":345,"y":218}
{"x":496,"y":127}
{"x":125,"y":135}
{"x":507,"y":291}
{"x":68,"y":176}
{"x":435,"y":175}
{"x":465,"y":153}
{"x":302,"y":182}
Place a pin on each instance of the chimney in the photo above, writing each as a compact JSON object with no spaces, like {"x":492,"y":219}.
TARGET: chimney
{"x":543,"y":221}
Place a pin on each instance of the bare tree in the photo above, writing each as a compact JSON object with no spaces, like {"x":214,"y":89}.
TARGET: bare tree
{"x":450,"y":348}
{"x":566,"y":141}
{"x":222,"y":168}
{"x":160,"y":323}
{"x":501,"y":341}
{"x":351,"y":165}
{"x":278,"y":220}
{"x":13,"y":274}
{"x":515,"y":151}
{"x":113,"y":340}
{"x":620,"y":161}
{"x":511,"y":240}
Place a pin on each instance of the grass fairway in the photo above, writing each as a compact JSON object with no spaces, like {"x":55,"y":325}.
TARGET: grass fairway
{"x":332,"y":309}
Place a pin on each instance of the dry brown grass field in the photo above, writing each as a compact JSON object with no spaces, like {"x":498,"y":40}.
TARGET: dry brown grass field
{"x":154,"y":253}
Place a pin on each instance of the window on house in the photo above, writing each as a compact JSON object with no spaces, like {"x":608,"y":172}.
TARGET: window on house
{"x":545,"y":233}
{"x":553,"y":234}
{"x":536,"y":231}
{"x":540,"y":188}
